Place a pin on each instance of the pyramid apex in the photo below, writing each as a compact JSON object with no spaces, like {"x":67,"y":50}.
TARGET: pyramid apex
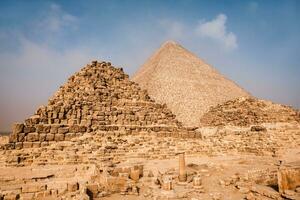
{"x":170,"y":43}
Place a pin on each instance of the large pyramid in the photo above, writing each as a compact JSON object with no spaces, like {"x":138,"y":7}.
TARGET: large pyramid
{"x":188,"y":85}
{"x":99,"y":97}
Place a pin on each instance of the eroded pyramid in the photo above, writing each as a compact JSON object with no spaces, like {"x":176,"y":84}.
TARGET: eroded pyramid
{"x":249,"y":111}
{"x":99,"y":97}
{"x":187,"y":84}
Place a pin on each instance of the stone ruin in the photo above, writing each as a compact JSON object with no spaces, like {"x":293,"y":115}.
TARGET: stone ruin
{"x":102,"y":135}
{"x":97,"y":98}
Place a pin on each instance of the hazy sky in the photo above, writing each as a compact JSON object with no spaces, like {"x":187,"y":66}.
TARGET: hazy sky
{"x":254,"y":43}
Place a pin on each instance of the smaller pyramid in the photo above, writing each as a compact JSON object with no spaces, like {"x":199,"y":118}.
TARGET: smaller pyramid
{"x":248,"y":111}
{"x":99,"y":97}
{"x":187,"y":84}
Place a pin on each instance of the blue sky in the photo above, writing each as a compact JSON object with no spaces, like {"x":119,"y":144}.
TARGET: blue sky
{"x":254,"y":43}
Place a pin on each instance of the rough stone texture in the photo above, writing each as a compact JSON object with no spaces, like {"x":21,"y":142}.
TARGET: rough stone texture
{"x":248,"y":111}
{"x":98,"y":97}
{"x":187,"y":84}
{"x":289,"y":177}
{"x":116,"y":143}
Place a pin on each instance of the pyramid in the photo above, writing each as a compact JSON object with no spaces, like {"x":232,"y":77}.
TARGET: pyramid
{"x":249,"y":111}
{"x":188,"y":85}
{"x":99,"y":97}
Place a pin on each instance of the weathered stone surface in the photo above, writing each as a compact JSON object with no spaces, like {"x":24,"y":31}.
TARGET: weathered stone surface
{"x":98,"y":97}
{"x":289,"y":177}
{"x":32,"y":137}
{"x":72,"y":187}
{"x":17,"y":128}
{"x":59,"y":137}
{"x":29,"y":188}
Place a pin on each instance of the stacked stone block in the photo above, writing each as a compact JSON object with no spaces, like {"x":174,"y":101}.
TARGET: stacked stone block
{"x":99,"y":97}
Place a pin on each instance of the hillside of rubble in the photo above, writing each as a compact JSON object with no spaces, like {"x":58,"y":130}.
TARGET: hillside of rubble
{"x":248,"y":111}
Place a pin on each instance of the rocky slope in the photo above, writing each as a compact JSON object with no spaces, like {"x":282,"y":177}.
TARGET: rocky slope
{"x":248,"y":111}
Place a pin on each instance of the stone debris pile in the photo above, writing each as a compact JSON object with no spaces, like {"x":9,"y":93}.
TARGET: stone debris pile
{"x":248,"y":111}
{"x":98,"y":97}
{"x":101,"y":136}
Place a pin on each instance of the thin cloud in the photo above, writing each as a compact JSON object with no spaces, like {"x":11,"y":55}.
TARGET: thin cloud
{"x":57,"y":19}
{"x":216,"y":29}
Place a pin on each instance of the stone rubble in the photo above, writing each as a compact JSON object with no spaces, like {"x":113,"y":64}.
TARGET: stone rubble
{"x":103,"y":137}
{"x":246,"y":111}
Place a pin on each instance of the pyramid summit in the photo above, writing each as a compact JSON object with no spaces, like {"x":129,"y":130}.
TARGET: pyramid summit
{"x":189,"y":86}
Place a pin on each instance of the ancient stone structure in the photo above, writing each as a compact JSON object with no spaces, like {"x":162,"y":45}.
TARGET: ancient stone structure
{"x":248,"y":111}
{"x":289,"y":177}
{"x":187,"y":84}
{"x":182,"y":172}
{"x":101,"y":135}
{"x":97,"y":98}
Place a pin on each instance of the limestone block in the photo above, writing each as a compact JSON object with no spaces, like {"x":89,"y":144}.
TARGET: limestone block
{"x":63,"y":130}
{"x":13,"y":137}
{"x":11,"y":196}
{"x":27,"y":196}
{"x":21,"y":137}
{"x":36,"y":144}
{"x":39,"y":128}
{"x":69,"y":136}
{"x":92,"y":190}
{"x":17,"y":128}
{"x":35,"y":119}
{"x":134,"y":174}
{"x":61,"y":115}
{"x":33,"y":187}
{"x":42,"y":137}
{"x":44,"y":144}
{"x":27,"y":144}
{"x":29,"y":129}
{"x":54,"y":129}
{"x":19,"y":145}
{"x":49,"y":137}
{"x":32,"y":137}
{"x":72,"y":187}
{"x":289,"y":177}
{"x":59,"y":137}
